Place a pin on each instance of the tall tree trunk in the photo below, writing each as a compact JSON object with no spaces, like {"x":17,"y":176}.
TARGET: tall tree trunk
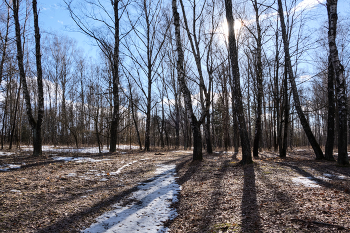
{"x":177,"y":121}
{"x":148,"y":116}
{"x":259,"y":80}
{"x":316,"y":147}
{"x":195,"y":125}
{"x":276,"y":95}
{"x":115,"y":76}
{"x":15,"y":116}
{"x":35,"y":125}
{"x":343,"y":158}
{"x":208,"y":135}
{"x":3,"y":56}
{"x":37,"y":132}
{"x":331,"y":114}
{"x":233,"y":55}
{"x":283,"y":146}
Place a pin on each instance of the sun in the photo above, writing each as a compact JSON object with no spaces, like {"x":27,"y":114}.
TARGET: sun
{"x":223,"y":29}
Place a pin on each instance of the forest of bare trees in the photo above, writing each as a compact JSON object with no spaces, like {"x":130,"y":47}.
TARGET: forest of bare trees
{"x":198,"y":75}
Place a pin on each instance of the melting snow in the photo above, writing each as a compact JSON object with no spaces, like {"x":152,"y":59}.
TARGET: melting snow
{"x":80,"y":150}
{"x":150,"y":207}
{"x":6,"y":153}
{"x":15,"y":191}
{"x":79,"y":159}
{"x":183,"y":151}
{"x":120,"y":169}
{"x":7,"y":167}
{"x":306,"y":181}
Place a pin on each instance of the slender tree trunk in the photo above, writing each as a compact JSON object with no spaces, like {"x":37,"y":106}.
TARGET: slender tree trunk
{"x":115,"y":76}
{"x":195,"y":125}
{"x":3,"y":56}
{"x":283,"y":147}
{"x":15,"y":116}
{"x":136,"y":125}
{"x":343,"y":157}
{"x":331,"y":114}
{"x":259,"y":80}
{"x":177,"y":122}
{"x":148,"y":116}
{"x":233,"y":55}
{"x":208,"y":135}
{"x":276,"y":97}
{"x":37,"y":131}
{"x":4,"y":117}
{"x":316,"y":147}
{"x":35,"y":125}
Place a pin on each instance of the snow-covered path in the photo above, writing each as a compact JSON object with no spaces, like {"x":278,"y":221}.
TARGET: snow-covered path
{"x":149,"y":208}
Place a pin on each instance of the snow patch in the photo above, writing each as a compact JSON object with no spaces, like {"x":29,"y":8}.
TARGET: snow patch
{"x":79,"y":159}
{"x":306,"y":181}
{"x":120,"y":169}
{"x":78,"y":150}
{"x":15,"y":191}
{"x":183,"y":151}
{"x":7,"y":167}
{"x":150,"y":207}
{"x":6,"y":153}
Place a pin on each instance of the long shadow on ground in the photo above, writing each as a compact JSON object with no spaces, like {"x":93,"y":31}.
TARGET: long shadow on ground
{"x":250,"y":210}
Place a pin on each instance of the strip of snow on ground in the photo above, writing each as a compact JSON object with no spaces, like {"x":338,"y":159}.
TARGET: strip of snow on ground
{"x":79,"y":150}
{"x":149,"y":209}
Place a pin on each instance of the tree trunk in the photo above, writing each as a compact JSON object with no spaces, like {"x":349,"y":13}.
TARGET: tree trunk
{"x":331,"y":114}
{"x":37,"y":132}
{"x":259,"y":80}
{"x":35,"y":125}
{"x":316,"y":147}
{"x":283,"y":146}
{"x":195,"y":125}
{"x":343,"y":158}
{"x":3,"y":56}
{"x":15,"y":116}
{"x":148,"y":116}
{"x":233,"y":55}
{"x":208,"y":136}
{"x":115,"y":76}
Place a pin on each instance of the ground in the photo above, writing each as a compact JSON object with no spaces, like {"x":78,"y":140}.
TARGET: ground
{"x":67,"y":191}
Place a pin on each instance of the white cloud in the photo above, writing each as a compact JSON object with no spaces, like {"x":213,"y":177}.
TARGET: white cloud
{"x":308,"y":4}
{"x":61,"y":22}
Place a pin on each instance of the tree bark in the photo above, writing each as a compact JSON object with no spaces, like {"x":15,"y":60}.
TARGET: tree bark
{"x":316,"y":147}
{"x":233,"y":55}
{"x":115,"y":77}
{"x":37,"y":139}
{"x":283,"y":146}
{"x":331,"y":114}
{"x":35,"y":125}
{"x":195,"y":125}
{"x":259,"y":81}
{"x":343,"y":158}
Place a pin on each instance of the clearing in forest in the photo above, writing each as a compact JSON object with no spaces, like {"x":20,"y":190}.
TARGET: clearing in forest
{"x":69,"y":191}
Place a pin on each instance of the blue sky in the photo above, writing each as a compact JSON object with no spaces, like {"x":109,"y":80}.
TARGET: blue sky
{"x":54,"y":18}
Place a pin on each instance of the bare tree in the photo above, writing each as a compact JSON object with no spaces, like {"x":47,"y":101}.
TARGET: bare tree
{"x":338,"y":68}
{"x":35,"y":124}
{"x":304,"y":122}
{"x":147,"y":40}
{"x":194,"y":36}
{"x":109,"y":44}
{"x":233,"y":56}
{"x":195,"y":123}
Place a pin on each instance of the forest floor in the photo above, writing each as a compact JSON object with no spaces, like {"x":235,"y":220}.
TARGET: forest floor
{"x":67,"y":191}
